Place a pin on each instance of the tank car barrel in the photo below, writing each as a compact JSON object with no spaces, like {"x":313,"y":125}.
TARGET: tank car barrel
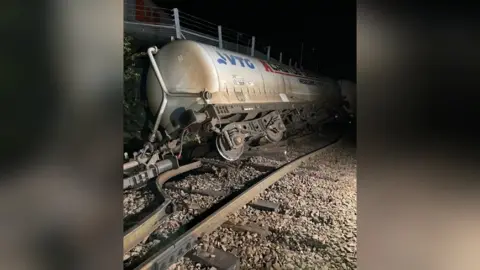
{"x":232,"y":98}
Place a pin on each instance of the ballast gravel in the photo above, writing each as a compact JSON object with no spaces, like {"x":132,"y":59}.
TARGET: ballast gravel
{"x":314,"y":228}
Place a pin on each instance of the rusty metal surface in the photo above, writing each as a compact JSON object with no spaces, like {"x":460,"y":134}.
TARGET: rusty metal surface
{"x":180,"y":246}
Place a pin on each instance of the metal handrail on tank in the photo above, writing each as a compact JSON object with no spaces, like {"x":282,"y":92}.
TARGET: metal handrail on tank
{"x":150,"y":52}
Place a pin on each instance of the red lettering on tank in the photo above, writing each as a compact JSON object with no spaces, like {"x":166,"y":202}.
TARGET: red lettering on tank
{"x":267,"y":67}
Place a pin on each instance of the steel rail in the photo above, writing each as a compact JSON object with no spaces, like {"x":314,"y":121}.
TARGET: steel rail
{"x":185,"y":242}
{"x":146,"y":226}
{"x":150,"y":223}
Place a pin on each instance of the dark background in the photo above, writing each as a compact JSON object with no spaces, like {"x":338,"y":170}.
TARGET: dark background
{"x":327,"y":26}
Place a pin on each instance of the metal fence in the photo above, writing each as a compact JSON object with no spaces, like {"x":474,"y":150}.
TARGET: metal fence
{"x":162,"y":24}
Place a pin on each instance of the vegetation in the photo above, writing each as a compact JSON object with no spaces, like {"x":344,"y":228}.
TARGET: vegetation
{"x":133,"y":106}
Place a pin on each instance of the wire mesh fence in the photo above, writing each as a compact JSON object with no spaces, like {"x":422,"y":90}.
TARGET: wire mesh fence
{"x":153,"y":21}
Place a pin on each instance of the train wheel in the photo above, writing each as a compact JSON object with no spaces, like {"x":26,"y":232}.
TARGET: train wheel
{"x":274,"y":135}
{"x":231,"y":154}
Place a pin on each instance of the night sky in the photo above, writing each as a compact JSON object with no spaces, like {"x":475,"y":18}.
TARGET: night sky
{"x":327,"y":26}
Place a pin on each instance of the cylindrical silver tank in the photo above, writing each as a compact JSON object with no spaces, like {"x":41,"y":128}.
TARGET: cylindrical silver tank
{"x":189,"y":67}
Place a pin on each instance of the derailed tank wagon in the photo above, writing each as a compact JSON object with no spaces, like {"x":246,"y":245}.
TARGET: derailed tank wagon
{"x":200,"y":93}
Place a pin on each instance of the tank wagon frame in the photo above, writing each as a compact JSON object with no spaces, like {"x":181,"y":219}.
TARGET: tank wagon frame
{"x":201,"y":95}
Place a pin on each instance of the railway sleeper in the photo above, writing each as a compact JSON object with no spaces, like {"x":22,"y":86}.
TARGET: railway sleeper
{"x":215,"y":257}
{"x":251,"y":227}
{"x":264,"y":205}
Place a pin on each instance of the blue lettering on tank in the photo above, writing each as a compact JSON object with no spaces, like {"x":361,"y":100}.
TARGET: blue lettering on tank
{"x":233,"y":60}
{"x":240,"y":60}
{"x":222,"y":59}
{"x":249,"y":64}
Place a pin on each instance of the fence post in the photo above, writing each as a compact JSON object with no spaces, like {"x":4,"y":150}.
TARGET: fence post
{"x":220,"y":41}
{"x":268,"y":53}
{"x":290,"y":62}
{"x":253,"y":47}
{"x":280,"y":57}
{"x":177,"y":23}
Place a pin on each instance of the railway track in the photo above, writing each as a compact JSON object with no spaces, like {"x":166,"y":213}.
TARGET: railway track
{"x":186,"y":237}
